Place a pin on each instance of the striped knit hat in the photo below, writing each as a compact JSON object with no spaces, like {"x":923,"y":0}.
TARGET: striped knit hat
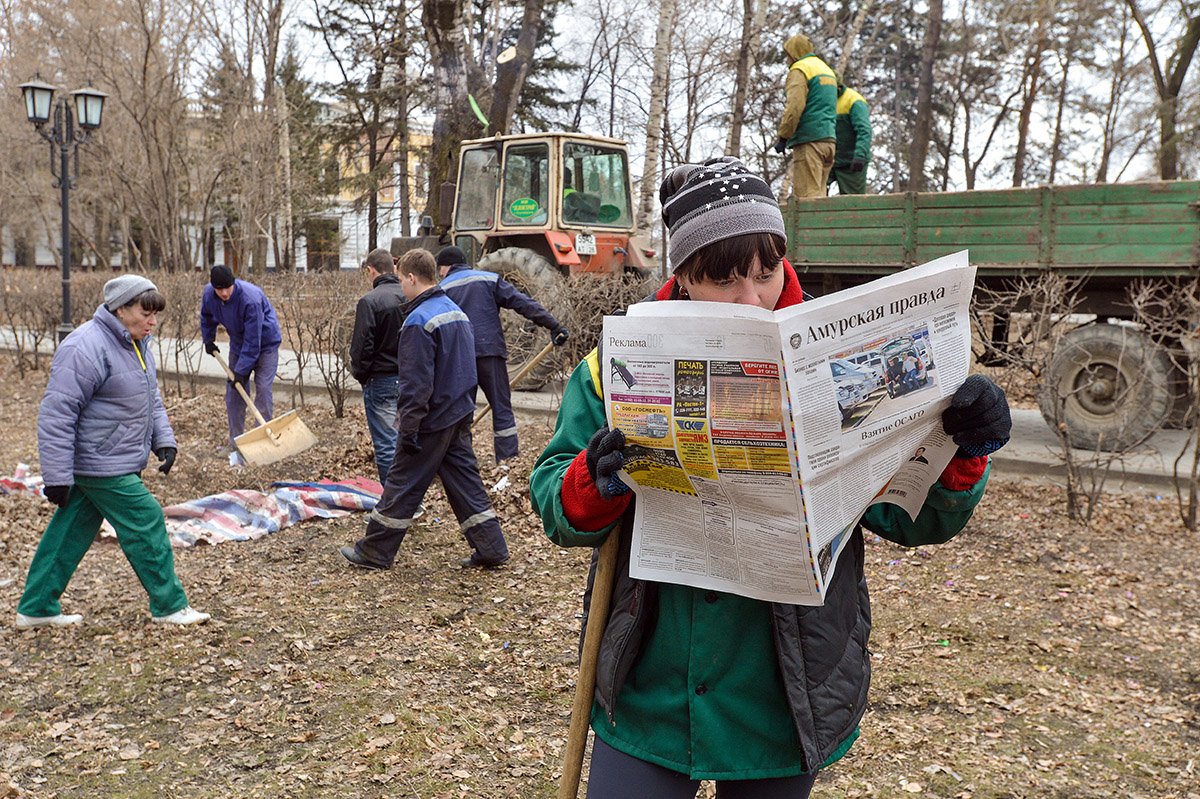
{"x":719,"y":199}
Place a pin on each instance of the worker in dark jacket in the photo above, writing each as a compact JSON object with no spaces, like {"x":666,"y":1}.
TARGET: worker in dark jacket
{"x":481,"y":295}
{"x":254,"y":338}
{"x":808,"y":126}
{"x":433,"y":415}
{"x":377,"y":321}
{"x":853,"y":142}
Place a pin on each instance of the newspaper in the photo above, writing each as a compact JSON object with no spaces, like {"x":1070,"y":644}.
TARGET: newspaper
{"x":757,"y":439}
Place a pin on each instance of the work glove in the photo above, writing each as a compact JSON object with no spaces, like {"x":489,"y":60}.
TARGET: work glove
{"x":856,"y":165}
{"x":57,"y":494}
{"x":559,"y":336}
{"x":167,"y":456}
{"x":605,"y":458}
{"x":211,"y":347}
{"x":410,"y":443}
{"x":780,"y":145}
{"x":241,"y":378}
{"x":978,"y":418}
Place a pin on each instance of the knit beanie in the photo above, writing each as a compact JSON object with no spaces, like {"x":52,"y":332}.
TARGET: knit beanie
{"x":221,"y":277}
{"x":120,"y":290}
{"x":716,"y":200}
{"x":451,"y":256}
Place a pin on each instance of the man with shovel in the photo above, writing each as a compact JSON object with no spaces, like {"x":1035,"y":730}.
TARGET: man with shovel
{"x":481,"y":295}
{"x":254,"y":338}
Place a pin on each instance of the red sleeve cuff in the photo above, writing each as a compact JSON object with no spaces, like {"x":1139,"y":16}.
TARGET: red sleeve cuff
{"x":585,"y":509}
{"x":961,"y":474}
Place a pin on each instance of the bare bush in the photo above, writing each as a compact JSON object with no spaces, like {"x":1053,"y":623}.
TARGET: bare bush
{"x":1034,"y":315}
{"x":1169,"y":312}
{"x":581,"y":303}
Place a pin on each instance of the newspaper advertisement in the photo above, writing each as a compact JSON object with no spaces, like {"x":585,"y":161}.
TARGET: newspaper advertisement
{"x":756,"y":439}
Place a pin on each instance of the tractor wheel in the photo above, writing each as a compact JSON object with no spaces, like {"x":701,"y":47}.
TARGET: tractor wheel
{"x":540,"y":279}
{"x":1110,"y":385}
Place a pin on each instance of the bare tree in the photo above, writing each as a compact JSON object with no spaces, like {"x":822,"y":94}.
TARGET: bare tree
{"x":1168,"y":83}
{"x":754,"y":13}
{"x":924,"y":119}
{"x":654,"y":125}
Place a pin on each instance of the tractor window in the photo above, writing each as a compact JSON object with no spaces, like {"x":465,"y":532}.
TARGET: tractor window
{"x":595,"y":185}
{"x":477,"y":190}
{"x":526,"y":180}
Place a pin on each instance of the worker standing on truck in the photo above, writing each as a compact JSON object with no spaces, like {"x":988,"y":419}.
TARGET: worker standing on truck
{"x":481,"y":295}
{"x":853,"y":142}
{"x":808,"y":126}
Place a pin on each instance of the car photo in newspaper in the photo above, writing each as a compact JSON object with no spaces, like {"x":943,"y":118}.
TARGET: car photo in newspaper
{"x":756,"y":439}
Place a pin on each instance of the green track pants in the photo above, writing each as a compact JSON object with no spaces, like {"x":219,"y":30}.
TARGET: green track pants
{"x":138,"y":519}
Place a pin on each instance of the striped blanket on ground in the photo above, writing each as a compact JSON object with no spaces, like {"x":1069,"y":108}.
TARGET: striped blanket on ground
{"x":243,"y":515}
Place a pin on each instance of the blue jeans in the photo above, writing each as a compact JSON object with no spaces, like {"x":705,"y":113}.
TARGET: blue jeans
{"x":380,"y":395}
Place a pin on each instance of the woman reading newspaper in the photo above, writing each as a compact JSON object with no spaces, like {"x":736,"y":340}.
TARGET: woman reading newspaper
{"x":694,"y":684}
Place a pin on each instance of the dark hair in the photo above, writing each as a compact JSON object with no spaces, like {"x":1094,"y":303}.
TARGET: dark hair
{"x":419,"y":263}
{"x":381,"y":261}
{"x":150,"y":300}
{"x":734,"y":255}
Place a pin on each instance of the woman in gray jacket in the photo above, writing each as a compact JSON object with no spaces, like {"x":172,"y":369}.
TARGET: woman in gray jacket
{"x":100,"y":419}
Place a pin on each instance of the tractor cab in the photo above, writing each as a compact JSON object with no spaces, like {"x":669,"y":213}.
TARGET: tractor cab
{"x":564,"y":198}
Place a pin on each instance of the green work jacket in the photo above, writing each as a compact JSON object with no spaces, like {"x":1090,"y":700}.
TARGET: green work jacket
{"x":714,"y":685}
{"x":853,"y":129}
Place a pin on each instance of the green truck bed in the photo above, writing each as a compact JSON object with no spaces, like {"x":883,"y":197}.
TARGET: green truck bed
{"x":1106,"y":231}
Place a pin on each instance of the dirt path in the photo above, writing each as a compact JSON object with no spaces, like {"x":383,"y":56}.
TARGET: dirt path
{"x":1026,"y":658}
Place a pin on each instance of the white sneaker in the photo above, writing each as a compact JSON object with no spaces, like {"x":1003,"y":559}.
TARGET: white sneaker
{"x":183,"y":617}
{"x":61,"y":620}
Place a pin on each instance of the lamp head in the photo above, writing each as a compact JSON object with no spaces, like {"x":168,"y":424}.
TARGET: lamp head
{"x":89,"y":107}
{"x":39,"y":99}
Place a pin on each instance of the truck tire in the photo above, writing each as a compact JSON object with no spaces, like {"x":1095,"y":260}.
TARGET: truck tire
{"x":533,"y":274}
{"x":1110,"y":385}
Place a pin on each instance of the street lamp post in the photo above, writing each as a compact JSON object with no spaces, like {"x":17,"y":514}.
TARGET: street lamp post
{"x":66,"y":137}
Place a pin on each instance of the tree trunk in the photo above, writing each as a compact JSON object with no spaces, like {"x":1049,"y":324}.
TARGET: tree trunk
{"x":1056,"y":145}
{"x":654,"y":125}
{"x":1031,"y":80}
{"x":923,"y":123}
{"x":510,"y":76}
{"x":852,"y":36}
{"x":1169,"y":86}
{"x":453,"y":78}
{"x":753,"y":15}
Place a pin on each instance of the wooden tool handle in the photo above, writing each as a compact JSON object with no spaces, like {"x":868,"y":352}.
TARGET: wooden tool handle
{"x":526,"y":369}
{"x":240,"y":389}
{"x":585,"y":685}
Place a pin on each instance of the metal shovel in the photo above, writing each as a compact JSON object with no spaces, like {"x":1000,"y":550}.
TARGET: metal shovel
{"x":271,"y":441}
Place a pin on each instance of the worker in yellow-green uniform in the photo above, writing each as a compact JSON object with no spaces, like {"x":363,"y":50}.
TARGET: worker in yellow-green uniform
{"x":694,"y":684}
{"x":853,"y":142}
{"x":808,"y":125}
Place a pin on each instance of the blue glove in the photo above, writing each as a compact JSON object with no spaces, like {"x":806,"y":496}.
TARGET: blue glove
{"x":604,"y":459}
{"x":978,"y":418}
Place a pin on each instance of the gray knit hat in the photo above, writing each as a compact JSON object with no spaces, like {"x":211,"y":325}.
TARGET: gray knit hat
{"x":719,"y":199}
{"x":120,"y":290}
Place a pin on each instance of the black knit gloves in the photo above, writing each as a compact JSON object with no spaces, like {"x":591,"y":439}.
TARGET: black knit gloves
{"x":856,"y":165}
{"x":559,"y":336}
{"x":211,"y":347}
{"x":978,"y":418}
{"x":780,"y":145}
{"x":167,"y":456}
{"x":57,"y":494}
{"x":604,"y":459}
